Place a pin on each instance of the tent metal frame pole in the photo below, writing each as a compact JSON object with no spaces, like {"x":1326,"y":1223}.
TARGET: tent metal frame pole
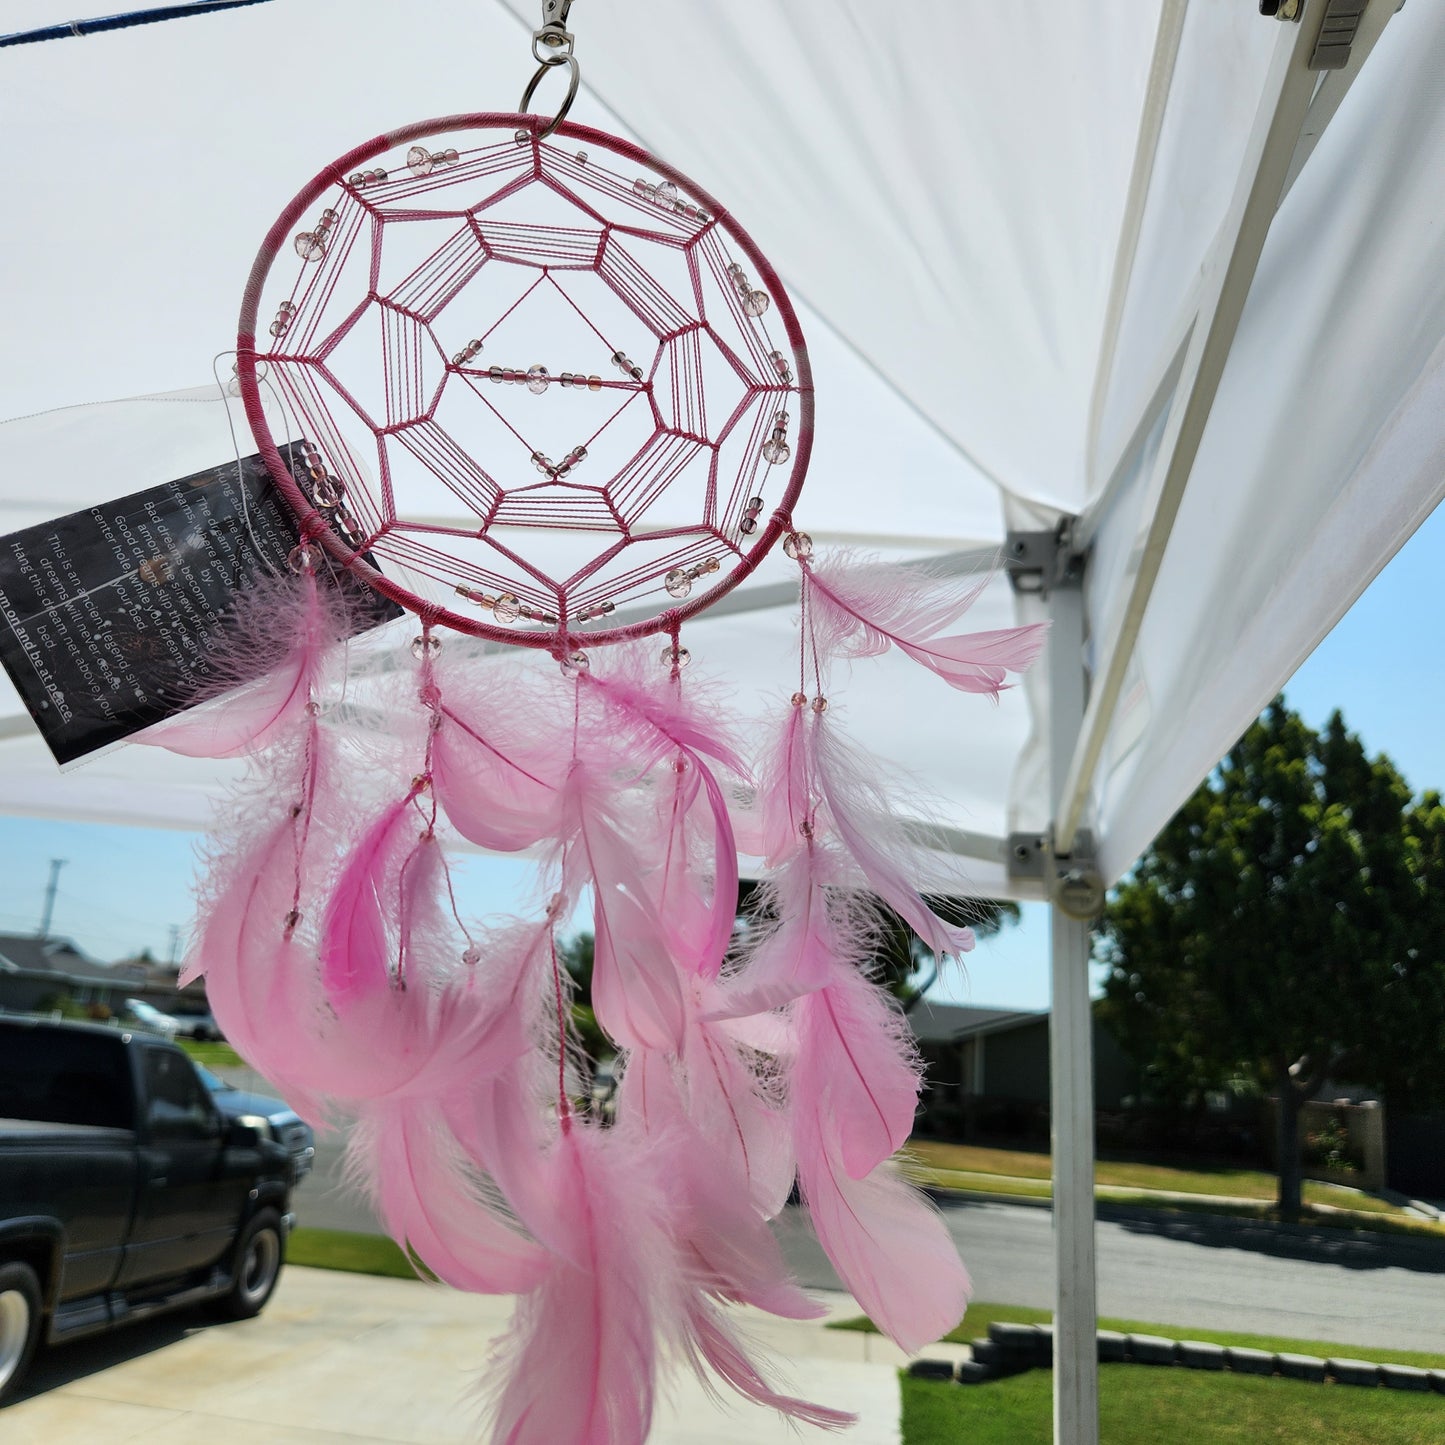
{"x":1295,"y":106}
{"x":1071,"y":1065}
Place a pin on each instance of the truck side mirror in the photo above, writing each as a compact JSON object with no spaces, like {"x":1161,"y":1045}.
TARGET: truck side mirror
{"x":242,"y":1135}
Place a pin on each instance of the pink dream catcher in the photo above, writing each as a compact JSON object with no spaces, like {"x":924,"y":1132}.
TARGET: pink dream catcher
{"x":546,"y":392}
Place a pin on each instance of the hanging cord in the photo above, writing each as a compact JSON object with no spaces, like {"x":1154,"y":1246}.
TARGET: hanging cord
{"x":70,"y":29}
{"x":552,"y":46}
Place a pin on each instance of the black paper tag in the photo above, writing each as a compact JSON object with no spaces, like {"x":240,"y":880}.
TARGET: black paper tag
{"x":109,"y":618}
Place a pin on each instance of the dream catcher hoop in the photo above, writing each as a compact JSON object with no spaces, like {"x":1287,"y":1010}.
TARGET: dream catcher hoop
{"x":541,"y":389}
{"x":404,"y":342}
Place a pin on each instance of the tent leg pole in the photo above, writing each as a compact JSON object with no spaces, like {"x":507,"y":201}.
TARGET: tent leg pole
{"x":1071,"y":1073}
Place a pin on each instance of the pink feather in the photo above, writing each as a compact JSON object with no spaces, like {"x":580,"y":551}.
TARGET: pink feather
{"x":500,"y":793}
{"x":786,"y":791}
{"x":667,"y":727}
{"x":252,"y":699}
{"x":887,"y":1242}
{"x":739,"y":1115}
{"x":256,"y":890}
{"x":723,"y":1234}
{"x":636,"y":990}
{"x":719,"y":1349}
{"x":860,"y":608}
{"x":856,"y":1069}
{"x":418,"y":1178}
{"x":793,"y":953}
{"x":876,"y":840}
{"x":581,"y":1358}
{"x":356,"y":954}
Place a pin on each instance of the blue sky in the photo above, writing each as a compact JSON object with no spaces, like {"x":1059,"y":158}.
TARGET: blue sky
{"x":123,"y":889}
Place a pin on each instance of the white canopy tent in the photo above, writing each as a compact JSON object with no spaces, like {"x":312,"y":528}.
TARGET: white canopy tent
{"x":1094,"y":272}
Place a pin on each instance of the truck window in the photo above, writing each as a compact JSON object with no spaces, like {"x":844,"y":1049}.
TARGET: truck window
{"x":178,"y":1105}
{"x":57,"y":1076}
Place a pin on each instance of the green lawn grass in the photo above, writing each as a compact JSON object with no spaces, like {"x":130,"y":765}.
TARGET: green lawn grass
{"x":340,"y":1249}
{"x":212,"y":1053}
{"x":1248,"y":1193}
{"x":1222,"y":1180}
{"x":983,"y":1313}
{"x":1143,"y":1406}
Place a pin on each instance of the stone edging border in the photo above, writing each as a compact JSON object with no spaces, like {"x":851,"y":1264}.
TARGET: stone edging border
{"x":1012,"y":1349}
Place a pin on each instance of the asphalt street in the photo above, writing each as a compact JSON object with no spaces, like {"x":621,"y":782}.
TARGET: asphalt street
{"x":1194,"y":1271}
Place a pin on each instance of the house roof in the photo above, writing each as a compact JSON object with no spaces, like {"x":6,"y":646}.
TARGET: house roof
{"x":939,"y":1023}
{"x":27,"y":953}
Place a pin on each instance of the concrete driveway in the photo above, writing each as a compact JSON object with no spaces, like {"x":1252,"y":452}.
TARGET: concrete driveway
{"x":341,"y":1357}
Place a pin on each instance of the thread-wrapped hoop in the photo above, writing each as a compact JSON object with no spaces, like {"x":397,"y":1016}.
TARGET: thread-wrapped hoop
{"x":444,"y":275}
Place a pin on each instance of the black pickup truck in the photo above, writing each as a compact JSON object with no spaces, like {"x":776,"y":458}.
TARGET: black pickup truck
{"x":123,"y":1190}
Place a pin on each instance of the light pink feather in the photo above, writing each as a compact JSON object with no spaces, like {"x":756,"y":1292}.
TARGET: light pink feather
{"x":580,"y":1362}
{"x":718,"y":1348}
{"x":269,"y":664}
{"x":856,"y":1070}
{"x":887,"y":1242}
{"x":668,"y":728}
{"x":499,"y":792}
{"x":785,"y":789}
{"x":410,"y":1165}
{"x":860,"y":607}
{"x":356,"y":953}
{"x":793,"y":952}
{"x":876,"y":840}
{"x":636,"y":990}
{"x":720,"y":1230}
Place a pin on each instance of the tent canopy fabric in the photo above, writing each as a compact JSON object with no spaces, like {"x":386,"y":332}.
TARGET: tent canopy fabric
{"x":1008,"y":232}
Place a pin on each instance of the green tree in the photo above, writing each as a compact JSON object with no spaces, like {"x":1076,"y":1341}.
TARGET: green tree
{"x":1283,"y":928}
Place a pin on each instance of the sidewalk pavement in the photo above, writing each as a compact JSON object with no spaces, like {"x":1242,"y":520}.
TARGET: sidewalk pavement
{"x":356,"y":1358}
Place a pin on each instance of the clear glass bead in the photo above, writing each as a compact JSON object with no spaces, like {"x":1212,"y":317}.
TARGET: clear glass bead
{"x":748,"y":526}
{"x":581,"y":158}
{"x":709,"y":564}
{"x":495,"y":373}
{"x":447,"y":157}
{"x":522,"y":137}
{"x":327,"y":492}
{"x":357,"y":178}
{"x":576,"y":662}
{"x":419,"y":161}
{"x":594,"y":383}
{"x":678,"y":582}
{"x":641,"y":188}
{"x":755,"y":505}
{"x":537,"y":379}
{"x":776,"y":451}
{"x":472,"y":956}
{"x":675,"y":656}
{"x":506,"y":608}
{"x":798,"y":545}
{"x":756,"y":302}
{"x":310,"y":246}
{"x":301,"y":558}
{"x":800,"y":699}
{"x":664,"y":193}
{"x":425,"y":644}
{"x":820,"y":703}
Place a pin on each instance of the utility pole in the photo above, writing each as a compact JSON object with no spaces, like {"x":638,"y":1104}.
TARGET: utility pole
{"x":56,"y":864}
{"x":175,"y":946}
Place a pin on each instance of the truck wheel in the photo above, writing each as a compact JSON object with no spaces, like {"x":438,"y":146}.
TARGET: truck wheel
{"x":19,"y":1322}
{"x":258,"y":1266}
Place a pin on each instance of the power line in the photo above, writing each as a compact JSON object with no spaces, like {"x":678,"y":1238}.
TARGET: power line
{"x":70,"y":29}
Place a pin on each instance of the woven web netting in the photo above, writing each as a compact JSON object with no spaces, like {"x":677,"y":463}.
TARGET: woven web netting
{"x":544,"y":384}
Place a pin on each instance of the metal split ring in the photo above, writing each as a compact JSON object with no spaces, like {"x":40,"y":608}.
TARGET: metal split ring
{"x":574,"y":77}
